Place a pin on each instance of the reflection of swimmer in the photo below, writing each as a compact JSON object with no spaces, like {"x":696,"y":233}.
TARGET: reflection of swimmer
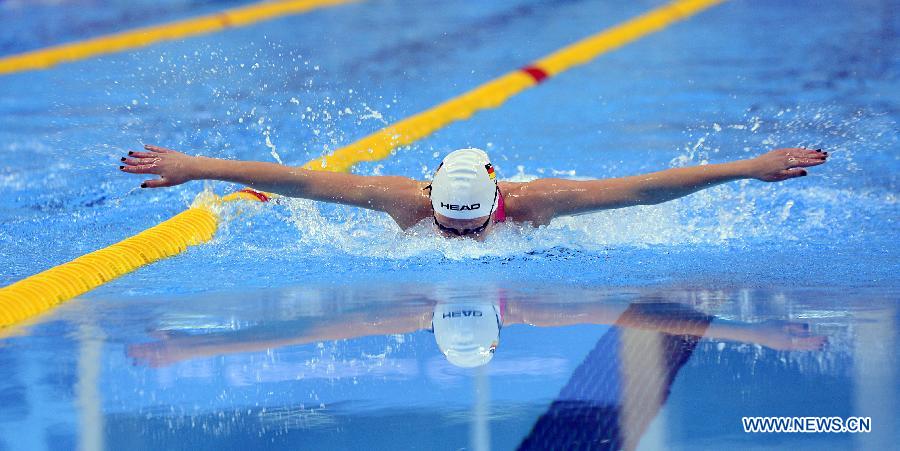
{"x":467,"y":333}
{"x":467,"y":339}
{"x":464,"y":198}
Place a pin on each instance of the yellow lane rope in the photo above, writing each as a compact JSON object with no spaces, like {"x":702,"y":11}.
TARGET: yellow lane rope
{"x":492,"y":94}
{"x":40,"y":292}
{"x":141,"y":37}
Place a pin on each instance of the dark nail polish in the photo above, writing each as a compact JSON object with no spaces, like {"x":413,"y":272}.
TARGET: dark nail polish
{"x":818,"y":150}
{"x":123,"y":158}
{"x":121,"y":167}
{"x":129,"y":153}
{"x":825,"y":153}
{"x":143,"y":185}
{"x":804,"y":174}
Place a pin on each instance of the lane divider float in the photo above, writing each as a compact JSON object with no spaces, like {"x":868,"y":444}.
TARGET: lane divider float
{"x":38,"y":293}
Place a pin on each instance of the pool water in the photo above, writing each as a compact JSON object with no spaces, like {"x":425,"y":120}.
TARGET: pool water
{"x":304,"y":325}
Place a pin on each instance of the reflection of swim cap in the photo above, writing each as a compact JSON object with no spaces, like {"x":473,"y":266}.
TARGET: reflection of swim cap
{"x":467,"y":333}
{"x":464,"y":186}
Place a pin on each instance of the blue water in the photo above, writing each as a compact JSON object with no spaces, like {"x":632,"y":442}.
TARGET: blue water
{"x":730,"y":83}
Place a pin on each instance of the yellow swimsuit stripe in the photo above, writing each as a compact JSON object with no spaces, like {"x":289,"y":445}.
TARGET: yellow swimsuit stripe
{"x":141,"y":37}
{"x":37,"y":293}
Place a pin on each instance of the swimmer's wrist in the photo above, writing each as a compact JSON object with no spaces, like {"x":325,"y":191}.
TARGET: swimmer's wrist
{"x":745,"y":169}
{"x":202,"y":168}
{"x":730,"y":330}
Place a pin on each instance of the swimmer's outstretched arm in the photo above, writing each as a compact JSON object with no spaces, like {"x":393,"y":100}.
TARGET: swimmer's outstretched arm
{"x":548,"y":198}
{"x":175,"y":348}
{"x":674,"y":319}
{"x":383,"y":193}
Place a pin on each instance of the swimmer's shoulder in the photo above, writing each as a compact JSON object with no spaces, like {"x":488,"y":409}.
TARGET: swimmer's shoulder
{"x":412,"y":203}
{"x":523,"y":203}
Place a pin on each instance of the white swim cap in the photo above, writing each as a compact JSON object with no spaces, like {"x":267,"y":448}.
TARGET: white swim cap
{"x":464,"y":186}
{"x":467,"y":333}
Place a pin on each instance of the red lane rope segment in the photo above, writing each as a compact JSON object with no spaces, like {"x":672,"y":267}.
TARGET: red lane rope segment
{"x":262,"y":197}
{"x":535,"y":72}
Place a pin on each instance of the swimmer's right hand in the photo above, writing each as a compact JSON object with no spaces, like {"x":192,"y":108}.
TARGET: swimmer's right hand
{"x":173,"y":168}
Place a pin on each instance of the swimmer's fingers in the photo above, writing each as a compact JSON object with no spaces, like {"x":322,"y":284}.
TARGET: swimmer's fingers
{"x":141,"y":169}
{"x":810,"y":343}
{"x":791,"y":173}
{"x":794,"y":162}
{"x":156,"y":183}
{"x":136,"y":154}
{"x":813,"y":155}
{"x":818,"y":153}
{"x":140,"y":161}
{"x":157,"y":149}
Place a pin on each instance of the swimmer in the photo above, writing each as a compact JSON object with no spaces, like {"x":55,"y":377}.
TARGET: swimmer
{"x":464,"y":198}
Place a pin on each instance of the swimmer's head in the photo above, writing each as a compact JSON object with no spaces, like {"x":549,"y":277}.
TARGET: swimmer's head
{"x":464,"y":186}
{"x":467,"y":333}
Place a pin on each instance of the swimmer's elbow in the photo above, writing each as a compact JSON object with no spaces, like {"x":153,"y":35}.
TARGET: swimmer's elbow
{"x":641,"y":198}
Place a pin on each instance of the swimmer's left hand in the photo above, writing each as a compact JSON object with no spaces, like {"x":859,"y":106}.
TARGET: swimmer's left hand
{"x":787,"y":336}
{"x":783,"y":164}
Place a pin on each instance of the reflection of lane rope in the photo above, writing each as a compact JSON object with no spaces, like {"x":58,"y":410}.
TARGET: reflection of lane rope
{"x":142,"y":37}
{"x":590,"y":410}
{"x":38,"y":293}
